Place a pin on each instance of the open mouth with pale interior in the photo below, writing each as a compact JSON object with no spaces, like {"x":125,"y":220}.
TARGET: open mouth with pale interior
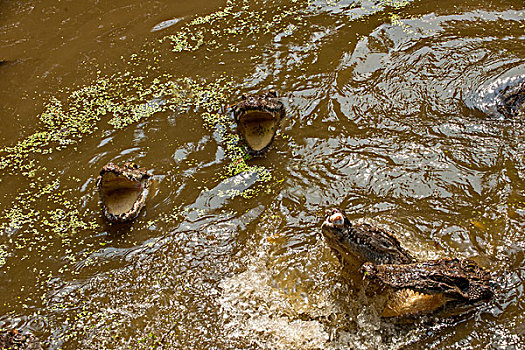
{"x":119,"y":193}
{"x":258,"y":129}
{"x":406,"y":302}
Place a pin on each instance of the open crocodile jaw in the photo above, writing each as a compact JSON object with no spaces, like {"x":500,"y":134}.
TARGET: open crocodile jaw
{"x":258,"y":130}
{"x":258,"y":118}
{"x":459,"y":279}
{"x":364,"y":242}
{"x":407,"y":302}
{"x":123,"y":191}
{"x":427,"y":286}
{"x":416,"y":288}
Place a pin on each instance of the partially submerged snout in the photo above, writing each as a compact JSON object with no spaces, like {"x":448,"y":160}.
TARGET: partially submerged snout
{"x":335,"y":219}
{"x":361,"y":242}
{"x":334,"y":229}
{"x":502,"y":97}
{"x":15,"y":339}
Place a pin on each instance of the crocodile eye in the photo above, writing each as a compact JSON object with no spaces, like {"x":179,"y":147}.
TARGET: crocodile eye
{"x":337,"y":219}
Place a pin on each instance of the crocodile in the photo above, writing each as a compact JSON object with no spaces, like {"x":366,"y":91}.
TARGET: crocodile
{"x":511,"y":100}
{"x":414,"y":287}
{"x":16,"y":340}
{"x":258,"y":117}
{"x":123,"y":191}
{"x":503,"y":97}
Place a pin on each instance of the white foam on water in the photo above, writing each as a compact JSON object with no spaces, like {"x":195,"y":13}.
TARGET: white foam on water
{"x":256,"y":311}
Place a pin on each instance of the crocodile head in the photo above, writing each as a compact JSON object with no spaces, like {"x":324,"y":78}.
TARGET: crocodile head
{"x":502,"y":97}
{"x":16,"y":340}
{"x":414,"y":288}
{"x":123,"y":191}
{"x":428,"y":285}
{"x":258,"y":118}
{"x":361,"y":242}
{"x":511,"y":100}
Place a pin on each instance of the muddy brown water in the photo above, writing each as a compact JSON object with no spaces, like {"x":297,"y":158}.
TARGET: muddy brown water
{"x":228,"y":253}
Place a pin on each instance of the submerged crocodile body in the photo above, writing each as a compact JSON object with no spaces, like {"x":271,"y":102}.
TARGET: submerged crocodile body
{"x":15,"y":340}
{"x":123,"y":191}
{"x":415,"y":287}
{"x":503,"y":97}
{"x":511,"y":100}
{"x":258,"y":118}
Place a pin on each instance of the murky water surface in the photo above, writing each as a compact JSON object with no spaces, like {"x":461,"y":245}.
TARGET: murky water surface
{"x":378,"y":96}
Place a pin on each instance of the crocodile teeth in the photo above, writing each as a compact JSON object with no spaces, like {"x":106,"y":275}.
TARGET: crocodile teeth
{"x":407,"y":302}
{"x":258,"y":118}
{"x":123,"y":191}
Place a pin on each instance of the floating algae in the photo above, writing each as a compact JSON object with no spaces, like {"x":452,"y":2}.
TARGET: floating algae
{"x":3,"y":255}
{"x":48,"y":212}
{"x":123,"y":99}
